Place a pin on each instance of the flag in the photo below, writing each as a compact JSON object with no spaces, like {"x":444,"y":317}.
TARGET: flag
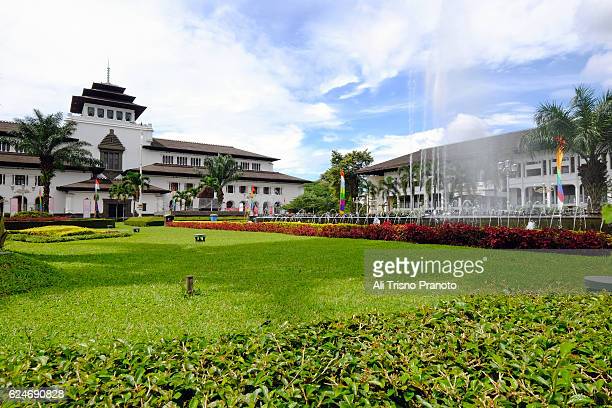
{"x":342,"y":192}
{"x":560,"y":149}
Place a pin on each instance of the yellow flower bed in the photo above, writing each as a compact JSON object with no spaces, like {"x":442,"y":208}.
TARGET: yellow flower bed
{"x":58,"y":231}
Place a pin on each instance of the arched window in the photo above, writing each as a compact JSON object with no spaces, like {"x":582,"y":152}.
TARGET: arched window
{"x":229,"y":205}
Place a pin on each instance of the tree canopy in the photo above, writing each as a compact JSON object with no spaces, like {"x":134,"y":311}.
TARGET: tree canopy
{"x":318,"y":198}
{"x":351,"y":163}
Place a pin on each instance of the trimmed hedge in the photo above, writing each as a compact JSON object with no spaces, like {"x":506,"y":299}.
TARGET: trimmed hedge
{"x":478,"y":351}
{"x":445,"y":234}
{"x":81,"y":222}
{"x":19,"y":274}
{"x":145,"y":221}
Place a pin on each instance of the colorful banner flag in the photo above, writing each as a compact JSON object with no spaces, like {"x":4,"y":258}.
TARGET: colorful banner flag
{"x":560,"y":151}
{"x":342,"y":192}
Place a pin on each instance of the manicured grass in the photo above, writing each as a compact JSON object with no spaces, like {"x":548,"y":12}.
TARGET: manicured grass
{"x":132,"y":288}
{"x":21,"y":274}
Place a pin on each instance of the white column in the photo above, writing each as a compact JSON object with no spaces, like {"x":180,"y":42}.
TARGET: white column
{"x":577,"y":189}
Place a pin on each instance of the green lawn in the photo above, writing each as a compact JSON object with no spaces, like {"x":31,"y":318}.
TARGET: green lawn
{"x":132,"y":288}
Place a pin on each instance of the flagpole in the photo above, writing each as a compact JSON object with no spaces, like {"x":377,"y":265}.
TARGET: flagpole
{"x":140,"y":186}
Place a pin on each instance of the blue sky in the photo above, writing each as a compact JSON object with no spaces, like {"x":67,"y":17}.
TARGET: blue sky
{"x":296,"y":79}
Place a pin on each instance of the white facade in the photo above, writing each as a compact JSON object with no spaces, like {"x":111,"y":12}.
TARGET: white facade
{"x":522,"y":180}
{"x":131,"y":144}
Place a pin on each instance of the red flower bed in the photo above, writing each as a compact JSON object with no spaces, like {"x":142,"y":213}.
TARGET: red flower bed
{"x":446,"y":234}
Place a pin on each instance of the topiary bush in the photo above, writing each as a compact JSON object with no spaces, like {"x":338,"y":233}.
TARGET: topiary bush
{"x":145,"y":221}
{"x":476,"y":351}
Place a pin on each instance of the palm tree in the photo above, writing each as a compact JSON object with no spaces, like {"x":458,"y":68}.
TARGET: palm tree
{"x":370,"y":190}
{"x":48,"y":138}
{"x":388,"y":187}
{"x":134,"y":181}
{"x":184,"y":196}
{"x":416,"y":178}
{"x":220,"y":171}
{"x":461,"y":180}
{"x":121,"y":191}
{"x":404,"y":182}
{"x":586,"y":129}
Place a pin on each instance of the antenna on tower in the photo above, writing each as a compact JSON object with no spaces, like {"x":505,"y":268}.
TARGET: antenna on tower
{"x":107,"y":71}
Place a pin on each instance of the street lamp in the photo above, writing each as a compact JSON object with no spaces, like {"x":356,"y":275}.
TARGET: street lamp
{"x":507,"y":167}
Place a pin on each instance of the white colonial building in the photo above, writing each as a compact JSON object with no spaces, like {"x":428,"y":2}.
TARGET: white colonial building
{"x":490,"y":172}
{"x":106,"y":118}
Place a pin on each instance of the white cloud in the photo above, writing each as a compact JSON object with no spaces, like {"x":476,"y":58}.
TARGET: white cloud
{"x":462,"y":127}
{"x":216,"y":77}
{"x":389,"y":146}
{"x":205,"y":78}
{"x":337,"y":82}
{"x":375,"y":42}
{"x":599,"y":69}
{"x":465,"y":127}
{"x":330,"y":138}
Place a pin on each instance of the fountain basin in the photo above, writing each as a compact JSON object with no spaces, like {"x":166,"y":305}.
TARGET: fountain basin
{"x":598,"y":283}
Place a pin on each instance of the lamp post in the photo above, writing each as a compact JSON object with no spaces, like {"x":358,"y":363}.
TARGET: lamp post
{"x":507,"y":167}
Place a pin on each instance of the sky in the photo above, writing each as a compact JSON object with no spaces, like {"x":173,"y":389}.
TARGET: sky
{"x":295,"y":79}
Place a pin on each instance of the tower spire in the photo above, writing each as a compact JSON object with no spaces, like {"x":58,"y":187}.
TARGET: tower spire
{"x":107,"y":71}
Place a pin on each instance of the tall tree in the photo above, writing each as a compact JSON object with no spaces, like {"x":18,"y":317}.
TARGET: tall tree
{"x":220,"y":171}
{"x":369,"y":191}
{"x":350,"y":162}
{"x":48,"y":137}
{"x":586,"y":127}
{"x":134,"y":181}
{"x":404,"y":183}
{"x":183,"y":197}
{"x":121,"y":191}
{"x":388,"y":188}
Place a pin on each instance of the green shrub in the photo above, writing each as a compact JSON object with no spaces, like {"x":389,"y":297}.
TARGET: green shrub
{"x":606,"y":213}
{"x":3,"y":231}
{"x":20,"y":274}
{"x":145,"y":221}
{"x":32,"y":214}
{"x":479,"y":351}
{"x":207,"y":218}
